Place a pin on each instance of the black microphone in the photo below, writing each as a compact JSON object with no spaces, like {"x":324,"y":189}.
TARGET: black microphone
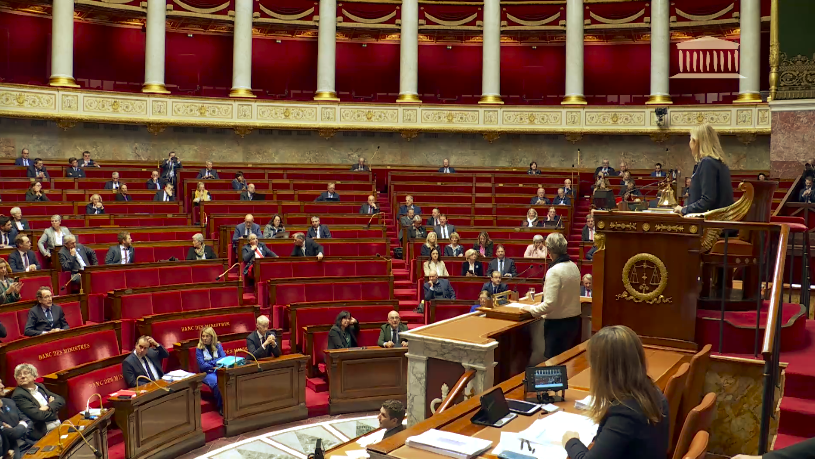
{"x":527,"y":269}
{"x":224,"y":273}
{"x":378,"y":256}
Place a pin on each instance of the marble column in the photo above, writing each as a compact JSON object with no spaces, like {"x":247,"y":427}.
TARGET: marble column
{"x":491,"y":54}
{"x":660,"y":52}
{"x":154,"y":48}
{"x":417,"y":388}
{"x":327,"y":51}
{"x":409,"y":53}
{"x":242,"y":50}
{"x":749,"y":51}
{"x":62,"y":44}
{"x":574,"y":53}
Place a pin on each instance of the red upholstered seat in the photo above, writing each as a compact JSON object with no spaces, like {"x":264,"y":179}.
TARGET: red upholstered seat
{"x":230,"y":347}
{"x":72,"y":311}
{"x":326,"y":316}
{"x":102,"y":381}
{"x":32,"y":284}
{"x":175,"y":275}
{"x":12,"y":324}
{"x":165,"y":302}
{"x":195,"y":299}
{"x":147,"y":277}
{"x":105,"y":281}
{"x":366,"y":338}
{"x":206,"y":272}
{"x":176,"y":330}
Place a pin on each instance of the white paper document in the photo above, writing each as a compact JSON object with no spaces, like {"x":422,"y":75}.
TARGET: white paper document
{"x":449,"y":444}
{"x":356,"y":454}
{"x":511,"y":441}
{"x":585,"y":403}
{"x":550,"y":429}
{"x":177,"y":375}
{"x":371,"y":438}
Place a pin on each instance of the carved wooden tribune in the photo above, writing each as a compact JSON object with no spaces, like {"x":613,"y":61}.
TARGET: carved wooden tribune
{"x":646,"y":268}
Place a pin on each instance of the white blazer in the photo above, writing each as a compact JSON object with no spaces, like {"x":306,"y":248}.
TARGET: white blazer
{"x":561,"y":293}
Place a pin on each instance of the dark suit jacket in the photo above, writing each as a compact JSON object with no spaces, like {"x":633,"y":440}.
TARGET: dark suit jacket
{"x":802,"y":450}
{"x":534,"y":200}
{"x":394,"y":431}
{"x":11,"y":235}
{"x":32,"y":172}
{"x":801,"y":197}
{"x":70,"y":263}
{"x":30,"y":407}
{"x":74,"y":173}
{"x":158,"y":185}
{"x":236,"y":185}
{"x":213,"y":173}
{"x":583,"y":290}
{"x":564,"y":201}
{"x":254,"y":346}
{"x":114,"y":255}
{"x":610,"y":171}
{"x":586,"y":233}
{"x":109,"y":185}
{"x":450,"y":252}
{"x":403,"y":209}
{"x":441,"y":290}
{"x":123,"y":197}
{"x":12,"y":416}
{"x":312,"y":249}
{"x":551,"y":223}
{"x":36,"y":323}
{"x":32,"y":197}
{"x":386,"y":334}
{"x":478,"y":268}
{"x":432,"y":222}
{"x":324,"y":197}
{"x":159,"y":196}
{"x":336,"y":337}
{"x":487,"y":250}
{"x":23,"y":221}
{"x":248,"y":255}
{"x":417,"y":233}
{"x":165,"y":167}
{"x":90,"y":210}
{"x":450,"y":230}
{"x":710,"y":187}
{"x":90,"y":163}
{"x":525,"y":223}
{"x":132,"y":367}
{"x":451,"y":169}
{"x":661,"y":174}
{"x":324,"y":232}
{"x":365,"y":208}
{"x":208,"y":253}
{"x":255,"y":196}
{"x":356,"y":168}
{"x":488,"y":287}
{"x":509,"y":267}
{"x":240,"y":231}
{"x":19,"y":162}
{"x":16,"y":261}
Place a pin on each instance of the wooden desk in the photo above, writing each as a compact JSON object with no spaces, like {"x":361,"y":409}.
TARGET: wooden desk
{"x":457,"y":418}
{"x":95,"y":432}
{"x":257,"y":395}
{"x":361,"y":379}
{"x":160,"y":424}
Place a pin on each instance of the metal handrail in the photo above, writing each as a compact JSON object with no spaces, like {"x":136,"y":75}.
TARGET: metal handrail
{"x":458,"y":389}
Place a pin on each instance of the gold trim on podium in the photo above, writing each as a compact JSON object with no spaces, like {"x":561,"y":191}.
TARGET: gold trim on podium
{"x":242,"y":92}
{"x":153,"y":88}
{"x":63,"y":82}
{"x":491,"y":100}
{"x":659,"y":99}
{"x":574,"y":100}
{"x":408,"y":99}
{"x":748,"y":98}
{"x":329,"y":96}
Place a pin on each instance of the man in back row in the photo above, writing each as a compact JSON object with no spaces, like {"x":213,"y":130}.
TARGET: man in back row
{"x":45,"y":316}
{"x":390,"y":333}
{"x":75,"y":257}
{"x":123,"y":253}
{"x":262,"y":342}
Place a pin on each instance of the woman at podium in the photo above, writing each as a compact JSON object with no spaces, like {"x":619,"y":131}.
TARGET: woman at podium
{"x":710,"y":186}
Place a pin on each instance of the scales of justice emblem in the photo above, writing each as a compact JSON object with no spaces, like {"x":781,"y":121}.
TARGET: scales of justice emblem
{"x":644,"y":278}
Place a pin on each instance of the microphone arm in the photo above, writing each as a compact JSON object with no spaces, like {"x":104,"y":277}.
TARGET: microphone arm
{"x":70,"y":424}
{"x":252,"y":355}
{"x":150,"y":381}
{"x":224,"y":273}
{"x":368,"y":226}
{"x":88,"y":405}
{"x":527,"y":269}
{"x":66,"y":284}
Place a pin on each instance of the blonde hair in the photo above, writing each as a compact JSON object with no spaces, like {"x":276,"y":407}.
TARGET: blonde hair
{"x":708,"y":142}
{"x":96,"y":196}
{"x":618,"y":373}
{"x":431,"y":237}
{"x":213,"y":347}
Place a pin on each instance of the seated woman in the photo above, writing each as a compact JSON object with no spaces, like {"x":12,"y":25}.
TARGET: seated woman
{"x":484,"y":245}
{"x":35,"y":193}
{"x":531,"y":219}
{"x":533,"y":169}
{"x":552,"y":219}
{"x":95,"y":207}
{"x":472,"y":267}
{"x":601,"y":182}
{"x":199,"y":250}
{"x":631,"y":192}
{"x":484,"y":301}
{"x":207,"y":354}
{"x":35,"y":401}
{"x":273,"y":228}
{"x":536,"y":249}
{"x":454,"y":249}
{"x":9,"y":288}
{"x":625,"y":178}
{"x":630,"y":409}
{"x":121,"y":194}
{"x":435,"y":264}
{"x":344,"y":332}
{"x":430,"y":243}
{"x":201,"y":194}
{"x":52,"y":236}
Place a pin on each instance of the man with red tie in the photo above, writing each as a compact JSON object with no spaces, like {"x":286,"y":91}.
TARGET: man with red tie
{"x":585,"y":288}
{"x":252,"y":251}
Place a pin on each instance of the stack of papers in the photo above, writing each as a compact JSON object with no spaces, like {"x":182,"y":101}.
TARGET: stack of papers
{"x":355,"y":454}
{"x":449,"y":444}
{"x":584,"y":404}
{"x":550,"y":429}
{"x":373,"y":437}
{"x":177,"y":375}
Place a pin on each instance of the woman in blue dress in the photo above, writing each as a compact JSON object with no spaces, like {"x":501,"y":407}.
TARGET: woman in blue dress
{"x":208,"y":352}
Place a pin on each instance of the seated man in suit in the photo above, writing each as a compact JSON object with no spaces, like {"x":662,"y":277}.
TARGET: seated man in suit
{"x":588,"y":236}
{"x":239,"y":182}
{"x":7,"y":232}
{"x":246,"y":228}
{"x":15,"y":426}
{"x":166,"y":194}
{"x":17,"y":220}
{"x":74,"y":257}
{"x":561,"y":199}
{"x":73,"y":170}
{"x":155,"y":182}
{"x":262,"y":342}
{"x":406,"y":222}
{"x":45,"y":316}
{"x":122,"y":194}
{"x":623,"y":169}
{"x":87,"y":161}
{"x":605,"y":169}
{"x":23,"y":259}
{"x":436,"y":288}
{"x":390,"y":417}
{"x":329,"y":195}
{"x":443,"y":230}
{"x":540,"y":198}
{"x":360,"y":166}
{"x":445,"y":167}
{"x":24,"y":159}
{"x":389,"y":332}
{"x":306,"y":247}
{"x":403,"y":209}
{"x":806,"y":194}
{"x":144,"y":362}
{"x":249,"y":193}
{"x":37,"y":170}
{"x":417,"y":231}
{"x":253,"y":250}
{"x":502,"y":264}
{"x":123,"y":253}
{"x":113,"y":183}
{"x":658,"y":172}
{"x":208,"y":172}
{"x":433,"y":220}
{"x":585,"y":286}
{"x":494,"y":285}
{"x":34,"y":400}
{"x":567,"y":188}
{"x":318,"y":231}
{"x":370,"y":207}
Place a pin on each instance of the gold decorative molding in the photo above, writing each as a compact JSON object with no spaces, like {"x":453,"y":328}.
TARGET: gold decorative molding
{"x":573,"y":100}
{"x":202,"y":110}
{"x":775,"y":52}
{"x":328,"y":114}
{"x":615,"y":118}
{"x":450,"y":116}
{"x":573,"y":137}
{"x":159,"y":108}
{"x":599,"y":242}
{"x":660,"y":137}
{"x":669,"y":228}
{"x":532,"y":118}
{"x":573,"y":118}
{"x":155,"y":129}
{"x":279,"y":113}
{"x":733,"y":213}
{"x":622,"y":226}
{"x":763,"y":116}
{"x":601,"y":225}
{"x":70,"y":102}
{"x":242,"y":130}
{"x":409,"y":135}
{"x":658,"y":99}
{"x":409,"y":116}
{"x":114,"y":105}
{"x":491,"y":136}
{"x":27,"y":100}
{"x":66,"y":124}
{"x":491,"y":117}
{"x":355,"y":115}
{"x":796,"y":77}
{"x":408,"y":99}
{"x":744,"y":117}
{"x":327,"y":133}
{"x":244,"y":111}
{"x":644,"y":277}
{"x":695,"y":117}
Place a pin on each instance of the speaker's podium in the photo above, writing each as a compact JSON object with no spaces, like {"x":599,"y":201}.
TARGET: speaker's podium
{"x":645,"y":274}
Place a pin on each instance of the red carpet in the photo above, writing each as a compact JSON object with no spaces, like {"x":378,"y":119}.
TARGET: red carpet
{"x":797,"y":419}
{"x":740,"y":329}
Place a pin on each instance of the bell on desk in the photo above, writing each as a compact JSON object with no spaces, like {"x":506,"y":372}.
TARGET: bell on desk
{"x":667,"y":199}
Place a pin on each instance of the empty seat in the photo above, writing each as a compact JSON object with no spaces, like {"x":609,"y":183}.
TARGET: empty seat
{"x":699,"y":418}
{"x":673,"y":393}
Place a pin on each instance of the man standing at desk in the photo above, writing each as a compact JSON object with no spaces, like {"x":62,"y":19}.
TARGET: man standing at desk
{"x":389,"y":332}
{"x":390,"y":417}
{"x":144,"y":361}
{"x":262,"y":342}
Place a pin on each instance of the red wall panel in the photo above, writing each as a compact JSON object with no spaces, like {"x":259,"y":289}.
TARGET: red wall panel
{"x":114,"y":55}
{"x":200,"y":60}
{"x":621,"y":70}
{"x":450,"y":73}
{"x":287,"y":68}
{"x":365,"y":72}
{"x":25,"y":48}
{"x":533,"y":76}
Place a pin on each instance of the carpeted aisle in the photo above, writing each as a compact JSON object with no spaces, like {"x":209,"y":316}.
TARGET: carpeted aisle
{"x":797,"y":418}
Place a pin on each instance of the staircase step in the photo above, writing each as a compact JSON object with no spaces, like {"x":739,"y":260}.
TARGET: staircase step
{"x":403,"y":284}
{"x":402,"y":292}
{"x":317,"y":384}
{"x":784,"y":440}
{"x":407,"y":305}
{"x":409,"y":316}
{"x":798,"y":416}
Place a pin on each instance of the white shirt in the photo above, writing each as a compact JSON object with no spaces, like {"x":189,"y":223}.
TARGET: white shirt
{"x":58,"y":237}
{"x":19,"y":225}
{"x":125,"y":255}
{"x":115,"y":185}
{"x":530,"y":223}
{"x":80,"y":260}
{"x":40,"y":398}
{"x":149,"y":363}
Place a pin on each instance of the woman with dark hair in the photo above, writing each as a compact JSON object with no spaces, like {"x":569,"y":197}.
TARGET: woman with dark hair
{"x":239,"y":183}
{"x":35,"y":193}
{"x":630,"y":409}
{"x":533,"y":169}
{"x":344,"y":332}
{"x":484,"y":245}
{"x":274,"y":227}
{"x":435,"y":264}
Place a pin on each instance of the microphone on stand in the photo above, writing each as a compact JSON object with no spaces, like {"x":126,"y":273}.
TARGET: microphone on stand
{"x":527,"y":269}
{"x":368,"y":226}
{"x":165,"y":389}
{"x":253,"y":355}
{"x":224,"y":273}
